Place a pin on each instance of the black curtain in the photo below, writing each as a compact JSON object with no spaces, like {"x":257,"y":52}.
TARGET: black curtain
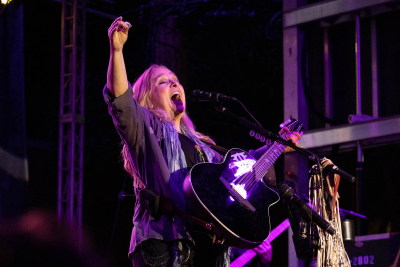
{"x":13,"y":158}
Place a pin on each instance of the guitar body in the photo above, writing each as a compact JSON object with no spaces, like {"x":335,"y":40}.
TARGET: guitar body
{"x":241,"y":220}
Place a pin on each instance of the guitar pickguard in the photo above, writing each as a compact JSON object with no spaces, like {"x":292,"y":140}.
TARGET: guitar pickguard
{"x":237,"y":194}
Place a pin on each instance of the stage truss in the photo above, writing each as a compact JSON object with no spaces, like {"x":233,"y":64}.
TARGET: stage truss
{"x":71,"y":118}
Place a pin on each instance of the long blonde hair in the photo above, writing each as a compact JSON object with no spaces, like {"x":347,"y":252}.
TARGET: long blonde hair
{"x":142,"y":90}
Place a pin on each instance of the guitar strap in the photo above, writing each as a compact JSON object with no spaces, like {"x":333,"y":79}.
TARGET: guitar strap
{"x":159,"y":206}
{"x":220,"y":149}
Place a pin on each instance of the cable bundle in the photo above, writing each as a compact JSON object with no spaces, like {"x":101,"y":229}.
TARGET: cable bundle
{"x":323,"y":187}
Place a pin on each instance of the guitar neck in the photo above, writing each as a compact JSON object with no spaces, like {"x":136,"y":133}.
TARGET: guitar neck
{"x":249,"y":254}
{"x":265,"y":162}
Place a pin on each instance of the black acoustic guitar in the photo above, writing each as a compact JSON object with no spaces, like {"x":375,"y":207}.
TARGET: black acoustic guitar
{"x":232,"y":195}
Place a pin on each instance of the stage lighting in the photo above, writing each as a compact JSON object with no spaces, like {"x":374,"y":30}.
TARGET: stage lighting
{"x":5,"y":2}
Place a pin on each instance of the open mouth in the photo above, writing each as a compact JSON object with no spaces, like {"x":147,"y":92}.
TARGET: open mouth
{"x":176,"y":96}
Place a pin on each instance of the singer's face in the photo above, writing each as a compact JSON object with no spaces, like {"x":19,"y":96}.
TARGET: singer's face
{"x":167,"y":93}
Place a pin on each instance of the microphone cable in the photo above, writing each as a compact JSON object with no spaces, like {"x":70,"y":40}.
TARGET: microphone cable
{"x":248,"y":112}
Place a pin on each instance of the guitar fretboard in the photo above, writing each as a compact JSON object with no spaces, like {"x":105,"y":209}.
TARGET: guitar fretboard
{"x":265,"y":162}
{"x":261,"y":167}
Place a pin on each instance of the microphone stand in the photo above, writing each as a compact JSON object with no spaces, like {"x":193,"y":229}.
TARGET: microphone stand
{"x":275,"y":137}
{"x":267,"y":134}
{"x":286,"y":191}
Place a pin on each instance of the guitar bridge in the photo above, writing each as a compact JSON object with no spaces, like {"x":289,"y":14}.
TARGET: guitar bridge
{"x":237,"y":195}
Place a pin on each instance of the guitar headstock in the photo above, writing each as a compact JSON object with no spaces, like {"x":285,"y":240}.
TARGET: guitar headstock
{"x":293,"y":125}
{"x":260,"y":137}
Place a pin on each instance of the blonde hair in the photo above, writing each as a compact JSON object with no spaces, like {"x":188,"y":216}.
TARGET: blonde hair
{"x":142,"y":90}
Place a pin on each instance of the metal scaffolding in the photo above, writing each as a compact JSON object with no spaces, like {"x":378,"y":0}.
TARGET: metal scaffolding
{"x":71,"y":118}
{"x":373,"y":131}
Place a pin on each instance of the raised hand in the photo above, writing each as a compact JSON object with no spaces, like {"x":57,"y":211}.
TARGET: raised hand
{"x":117,"y":81}
{"x":118,"y":34}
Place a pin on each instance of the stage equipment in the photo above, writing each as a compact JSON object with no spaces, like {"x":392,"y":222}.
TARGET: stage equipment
{"x":307,"y":213}
{"x":198,"y":96}
{"x":217,"y":99}
{"x":328,"y":166}
{"x":375,"y":250}
{"x":348,"y":230}
{"x":324,"y":191}
{"x":71,"y":116}
{"x":305,"y":236}
{"x":5,"y":3}
{"x":322,"y":242}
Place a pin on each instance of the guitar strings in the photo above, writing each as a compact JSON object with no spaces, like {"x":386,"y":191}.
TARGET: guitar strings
{"x":279,"y":148}
{"x":264,"y":168}
{"x":250,"y":178}
{"x":261,"y":170}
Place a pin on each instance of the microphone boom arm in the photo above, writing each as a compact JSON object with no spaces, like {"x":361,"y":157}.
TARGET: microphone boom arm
{"x":276,"y":137}
{"x":267,"y":134}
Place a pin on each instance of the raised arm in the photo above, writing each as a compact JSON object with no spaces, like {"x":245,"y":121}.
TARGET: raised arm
{"x":117,"y":81}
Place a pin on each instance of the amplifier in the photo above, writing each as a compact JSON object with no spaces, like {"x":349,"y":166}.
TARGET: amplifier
{"x":382,"y":250}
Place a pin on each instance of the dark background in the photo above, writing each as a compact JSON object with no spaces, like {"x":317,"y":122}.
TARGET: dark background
{"x":237,"y":56}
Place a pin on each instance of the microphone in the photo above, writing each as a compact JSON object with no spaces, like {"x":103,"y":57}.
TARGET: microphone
{"x":200,"y":96}
{"x":335,"y":169}
{"x":307,"y":213}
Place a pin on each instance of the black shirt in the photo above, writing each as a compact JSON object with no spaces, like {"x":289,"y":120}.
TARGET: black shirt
{"x":193,"y":153}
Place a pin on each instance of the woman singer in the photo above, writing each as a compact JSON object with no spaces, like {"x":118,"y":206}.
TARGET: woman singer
{"x":160,"y":145}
